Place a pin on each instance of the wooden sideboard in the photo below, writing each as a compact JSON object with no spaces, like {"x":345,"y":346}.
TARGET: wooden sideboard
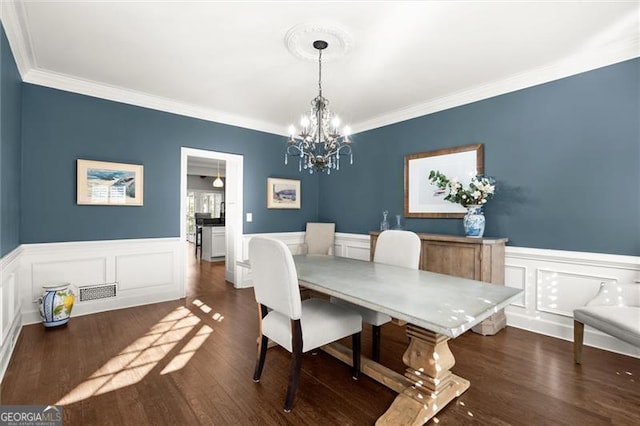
{"x":479,"y":259}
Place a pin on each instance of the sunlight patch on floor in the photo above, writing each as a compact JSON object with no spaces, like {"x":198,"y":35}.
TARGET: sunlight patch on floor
{"x":138,"y":359}
{"x":207,"y":309}
{"x":180,"y":360}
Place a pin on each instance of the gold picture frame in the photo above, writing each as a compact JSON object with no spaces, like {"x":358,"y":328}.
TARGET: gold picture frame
{"x":422,"y":199}
{"x":283,"y":193}
{"x":112,"y":184}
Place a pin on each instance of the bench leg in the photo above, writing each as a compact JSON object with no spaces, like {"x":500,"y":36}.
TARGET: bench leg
{"x":578,"y":336}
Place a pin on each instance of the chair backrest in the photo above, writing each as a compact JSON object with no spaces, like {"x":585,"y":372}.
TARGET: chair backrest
{"x":319,"y":237}
{"x":275,"y":280}
{"x":614,"y":294}
{"x":399,"y":248}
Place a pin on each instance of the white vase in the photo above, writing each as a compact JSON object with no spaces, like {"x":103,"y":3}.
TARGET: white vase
{"x":474,"y":222}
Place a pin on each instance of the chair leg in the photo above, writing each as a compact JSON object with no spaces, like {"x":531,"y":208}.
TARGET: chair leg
{"x":263,"y":346}
{"x":375,"y":342}
{"x":262,"y":354}
{"x":296,"y":362}
{"x":578,"y":339}
{"x":355,"y":346}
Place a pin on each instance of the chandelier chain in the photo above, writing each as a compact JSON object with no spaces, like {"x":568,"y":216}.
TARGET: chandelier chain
{"x":320,"y":72}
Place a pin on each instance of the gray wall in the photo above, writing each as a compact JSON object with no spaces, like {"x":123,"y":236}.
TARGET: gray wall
{"x":60,"y":127}
{"x":10,"y":112}
{"x":566,"y":156}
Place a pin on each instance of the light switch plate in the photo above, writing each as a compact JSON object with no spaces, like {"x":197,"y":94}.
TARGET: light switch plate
{"x":249,"y":217}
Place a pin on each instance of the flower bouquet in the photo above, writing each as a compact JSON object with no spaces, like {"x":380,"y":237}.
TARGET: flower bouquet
{"x":480,"y":189}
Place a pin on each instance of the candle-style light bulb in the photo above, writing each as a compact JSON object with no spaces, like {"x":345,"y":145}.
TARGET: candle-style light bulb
{"x":335,"y":122}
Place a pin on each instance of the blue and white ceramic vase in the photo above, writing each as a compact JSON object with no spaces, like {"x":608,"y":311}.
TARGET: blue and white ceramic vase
{"x":473,"y":222}
{"x":56,"y":303}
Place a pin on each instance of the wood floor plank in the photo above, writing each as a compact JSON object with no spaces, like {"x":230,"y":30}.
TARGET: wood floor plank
{"x":191,"y":362}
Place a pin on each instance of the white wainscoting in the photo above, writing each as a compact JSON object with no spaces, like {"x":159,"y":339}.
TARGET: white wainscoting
{"x":144,"y":271}
{"x":152,"y":270}
{"x":10,"y":309}
{"x":554,"y":282}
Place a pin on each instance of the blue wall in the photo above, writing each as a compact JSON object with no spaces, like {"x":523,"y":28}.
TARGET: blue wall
{"x":10,"y":111}
{"x":566,"y":156}
{"x":60,"y":127}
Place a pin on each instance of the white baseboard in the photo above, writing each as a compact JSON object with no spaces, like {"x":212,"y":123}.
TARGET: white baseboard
{"x":8,"y":345}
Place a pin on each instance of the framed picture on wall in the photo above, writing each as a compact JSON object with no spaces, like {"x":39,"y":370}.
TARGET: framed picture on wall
{"x":424,"y":199}
{"x":283,"y":193}
{"x":104,"y":183}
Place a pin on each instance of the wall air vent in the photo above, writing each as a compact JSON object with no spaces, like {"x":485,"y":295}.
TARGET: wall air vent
{"x":101,"y":291}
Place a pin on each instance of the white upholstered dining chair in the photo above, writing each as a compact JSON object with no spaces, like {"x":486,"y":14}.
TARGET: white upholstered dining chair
{"x":298,"y":326}
{"x":318,"y":238}
{"x":393,"y":247}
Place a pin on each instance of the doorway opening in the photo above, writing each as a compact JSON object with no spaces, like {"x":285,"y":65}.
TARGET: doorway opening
{"x":211,"y":201}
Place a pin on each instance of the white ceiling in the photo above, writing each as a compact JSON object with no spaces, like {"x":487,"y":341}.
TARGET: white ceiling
{"x":201,"y":166}
{"x":228,"y":62}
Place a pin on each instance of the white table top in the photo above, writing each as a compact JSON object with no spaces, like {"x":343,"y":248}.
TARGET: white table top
{"x":441,"y":303}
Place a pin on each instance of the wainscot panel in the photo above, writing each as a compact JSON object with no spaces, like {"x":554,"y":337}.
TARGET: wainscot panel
{"x":142,"y":270}
{"x":10,"y":310}
{"x":556,"y":282}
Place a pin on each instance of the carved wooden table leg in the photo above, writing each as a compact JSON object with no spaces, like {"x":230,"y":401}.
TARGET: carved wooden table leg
{"x":429,"y":360}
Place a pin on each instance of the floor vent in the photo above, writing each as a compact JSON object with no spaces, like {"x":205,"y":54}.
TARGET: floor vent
{"x":97,"y":292}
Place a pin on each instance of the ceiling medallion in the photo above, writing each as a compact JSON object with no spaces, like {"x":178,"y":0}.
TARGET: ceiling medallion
{"x":299,"y":41}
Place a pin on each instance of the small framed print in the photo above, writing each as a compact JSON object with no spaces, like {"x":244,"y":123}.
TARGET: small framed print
{"x":113,"y":184}
{"x":283,"y":193}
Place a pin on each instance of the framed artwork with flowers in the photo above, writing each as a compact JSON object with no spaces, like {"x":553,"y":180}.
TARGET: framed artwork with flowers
{"x":424,"y":196}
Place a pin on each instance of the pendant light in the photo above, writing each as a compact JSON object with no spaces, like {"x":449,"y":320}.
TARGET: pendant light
{"x":218,"y":183}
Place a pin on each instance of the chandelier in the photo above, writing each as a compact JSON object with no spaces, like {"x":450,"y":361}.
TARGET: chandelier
{"x":319,"y":144}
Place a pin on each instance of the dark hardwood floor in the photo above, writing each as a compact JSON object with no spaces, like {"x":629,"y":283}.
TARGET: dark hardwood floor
{"x":191,"y":362}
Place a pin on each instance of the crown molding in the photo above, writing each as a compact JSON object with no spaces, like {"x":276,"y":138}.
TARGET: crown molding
{"x":131,"y":97}
{"x":576,"y":64}
{"x":12,"y":14}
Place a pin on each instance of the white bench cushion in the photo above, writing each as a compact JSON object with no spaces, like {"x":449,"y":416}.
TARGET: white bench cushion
{"x":622,"y":322}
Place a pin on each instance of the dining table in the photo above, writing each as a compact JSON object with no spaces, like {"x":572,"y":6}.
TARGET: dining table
{"x":435,"y":307}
